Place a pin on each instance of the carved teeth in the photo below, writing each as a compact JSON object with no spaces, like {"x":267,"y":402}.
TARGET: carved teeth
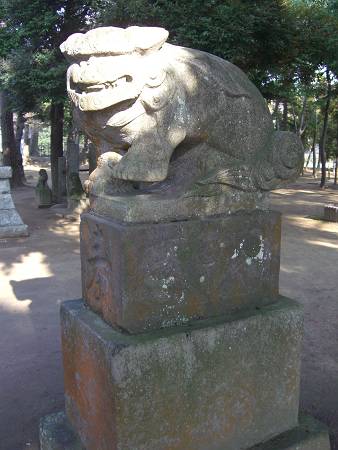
{"x":99,"y":96}
{"x":123,"y":117}
{"x":93,"y":101}
{"x":107,"y":85}
{"x":95,"y":87}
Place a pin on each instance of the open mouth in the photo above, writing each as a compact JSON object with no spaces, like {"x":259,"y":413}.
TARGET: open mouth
{"x":82,"y":88}
{"x":94,"y":97}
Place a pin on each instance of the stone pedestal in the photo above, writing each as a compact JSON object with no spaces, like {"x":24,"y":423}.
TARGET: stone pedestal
{"x":182,"y":341}
{"x":331,"y":213}
{"x":140,"y":277}
{"x":11,"y":224}
{"x":43,"y":193}
{"x":215,"y":384}
{"x":57,"y":434}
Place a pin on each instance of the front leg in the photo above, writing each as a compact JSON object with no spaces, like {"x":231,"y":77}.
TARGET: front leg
{"x":148,"y":157}
{"x":101,"y":180}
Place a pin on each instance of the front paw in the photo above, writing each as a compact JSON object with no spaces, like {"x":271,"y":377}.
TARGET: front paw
{"x":102,"y":182}
{"x":138,"y":169}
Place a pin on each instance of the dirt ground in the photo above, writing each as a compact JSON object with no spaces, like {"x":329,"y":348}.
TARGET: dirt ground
{"x":39,"y":272}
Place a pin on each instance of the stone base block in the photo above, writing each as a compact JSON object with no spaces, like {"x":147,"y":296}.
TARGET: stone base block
{"x":148,"y":276}
{"x":309,"y":435}
{"x":57,"y":434}
{"x":5,"y":172}
{"x":4,"y":186}
{"x":11,"y":224}
{"x":13,"y":231}
{"x":6,"y":201}
{"x":214,"y":384}
{"x":331,"y":213}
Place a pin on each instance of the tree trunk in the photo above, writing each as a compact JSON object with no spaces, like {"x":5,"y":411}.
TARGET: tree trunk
{"x":11,"y":153}
{"x":20,"y":124}
{"x":302,"y":123}
{"x":26,"y":141}
{"x":19,"y":178}
{"x":34,"y":141}
{"x":322,"y":141}
{"x":56,"y":144}
{"x":275,"y":114}
{"x":336,"y":164}
{"x":314,"y":167}
{"x":285,"y":115}
{"x":72,"y":157}
{"x":308,"y":160}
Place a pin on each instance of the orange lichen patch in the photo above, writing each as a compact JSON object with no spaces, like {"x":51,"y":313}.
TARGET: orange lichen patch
{"x":88,"y":391}
{"x":229,"y":384}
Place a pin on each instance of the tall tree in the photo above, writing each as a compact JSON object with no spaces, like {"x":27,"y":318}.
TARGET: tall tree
{"x":11,"y":142}
{"x":40,"y":27}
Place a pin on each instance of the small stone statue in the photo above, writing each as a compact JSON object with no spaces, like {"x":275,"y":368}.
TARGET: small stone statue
{"x":42,"y":191}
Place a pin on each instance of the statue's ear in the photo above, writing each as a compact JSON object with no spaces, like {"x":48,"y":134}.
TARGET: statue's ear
{"x":158,"y":90}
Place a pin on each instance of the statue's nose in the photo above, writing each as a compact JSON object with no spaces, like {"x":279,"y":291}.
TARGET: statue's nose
{"x":85,"y":73}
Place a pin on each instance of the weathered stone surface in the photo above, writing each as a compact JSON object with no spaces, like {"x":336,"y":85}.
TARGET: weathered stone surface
{"x":91,"y":157}
{"x":155,"y":208}
{"x":309,"y":435}
{"x":4,"y":186}
{"x":75,"y":191}
{"x":13,"y":231}
{"x":56,"y":434}
{"x":331,"y":213}
{"x":140,"y":277}
{"x":43,"y":192}
{"x":11,"y":224}
{"x":193,"y":124}
{"x":9,"y":217}
{"x":211,"y":385}
{"x":5,"y":172}
{"x":6,"y":202}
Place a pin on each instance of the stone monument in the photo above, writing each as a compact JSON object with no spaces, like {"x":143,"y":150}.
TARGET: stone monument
{"x":11,"y":224}
{"x":182,"y":340}
{"x":43,"y":193}
{"x":75,"y":193}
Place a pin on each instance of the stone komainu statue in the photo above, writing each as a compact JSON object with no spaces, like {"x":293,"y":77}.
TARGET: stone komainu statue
{"x":183,"y":120}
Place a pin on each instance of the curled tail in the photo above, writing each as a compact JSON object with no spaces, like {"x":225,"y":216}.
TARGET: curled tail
{"x":283,"y":164}
{"x":280,"y":163}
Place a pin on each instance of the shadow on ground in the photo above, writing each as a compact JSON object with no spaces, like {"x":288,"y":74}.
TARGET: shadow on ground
{"x":309,"y":262}
{"x":37,"y":273}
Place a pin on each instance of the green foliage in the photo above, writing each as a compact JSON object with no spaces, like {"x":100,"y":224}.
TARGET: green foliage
{"x":276,"y":42}
{"x":283,"y":45}
{"x":33,"y":69}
